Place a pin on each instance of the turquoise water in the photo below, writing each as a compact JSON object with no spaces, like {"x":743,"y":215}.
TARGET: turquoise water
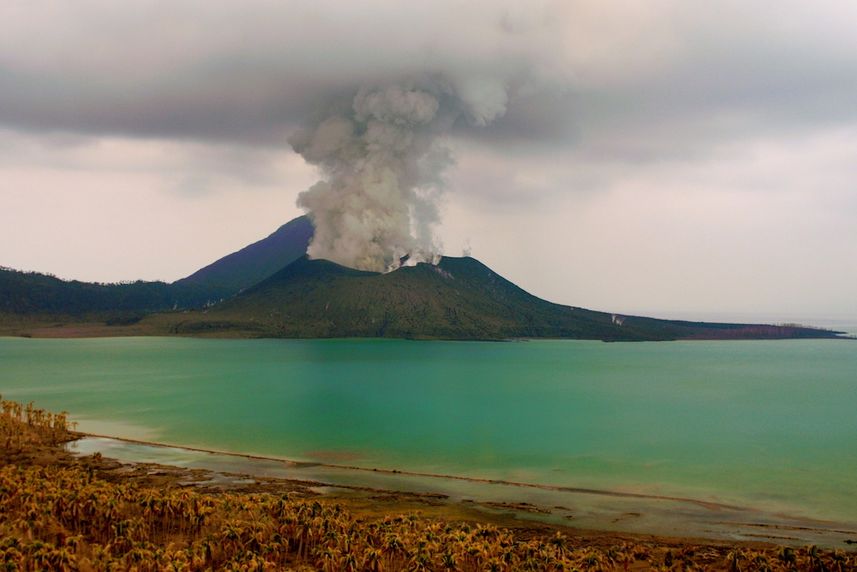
{"x":762,"y":424}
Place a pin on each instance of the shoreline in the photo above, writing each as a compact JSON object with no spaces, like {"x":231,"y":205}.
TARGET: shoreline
{"x":40,"y":327}
{"x":94,"y":510}
{"x":616,"y":512}
{"x":409,"y":473}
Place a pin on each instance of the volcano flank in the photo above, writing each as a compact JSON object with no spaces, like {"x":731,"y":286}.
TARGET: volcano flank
{"x":272,"y":289}
{"x":459,"y":298}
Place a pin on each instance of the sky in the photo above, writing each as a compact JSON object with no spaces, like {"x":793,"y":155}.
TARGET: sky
{"x":679,"y":157}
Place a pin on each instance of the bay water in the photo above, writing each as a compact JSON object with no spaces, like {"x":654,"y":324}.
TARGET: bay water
{"x":770,"y":424}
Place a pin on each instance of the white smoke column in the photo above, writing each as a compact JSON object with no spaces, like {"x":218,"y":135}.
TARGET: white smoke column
{"x":383,"y":160}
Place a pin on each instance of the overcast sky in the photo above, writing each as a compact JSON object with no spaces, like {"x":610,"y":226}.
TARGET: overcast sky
{"x":645,"y":156}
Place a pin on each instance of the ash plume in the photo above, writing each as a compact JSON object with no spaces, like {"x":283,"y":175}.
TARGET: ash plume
{"x":382,"y":155}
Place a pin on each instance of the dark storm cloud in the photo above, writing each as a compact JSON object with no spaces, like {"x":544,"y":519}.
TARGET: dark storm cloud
{"x":201,"y":104}
{"x":642,"y":82}
{"x":244,"y":71}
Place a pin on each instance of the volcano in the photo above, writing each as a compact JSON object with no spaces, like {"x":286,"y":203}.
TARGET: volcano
{"x":271,"y":289}
{"x":253,"y":263}
{"x":459,"y":298}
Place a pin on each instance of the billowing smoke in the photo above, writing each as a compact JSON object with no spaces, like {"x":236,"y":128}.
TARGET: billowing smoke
{"x":382,"y":155}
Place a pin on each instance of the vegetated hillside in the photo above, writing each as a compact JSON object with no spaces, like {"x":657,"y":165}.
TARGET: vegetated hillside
{"x":30,"y":293}
{"x":252,"y":264}
{"x":460,"y":298}
{"x":34,"y":294}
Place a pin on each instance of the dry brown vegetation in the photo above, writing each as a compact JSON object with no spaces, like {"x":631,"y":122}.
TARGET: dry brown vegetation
{"x":65,"y":516}
{"x":22,"y":426}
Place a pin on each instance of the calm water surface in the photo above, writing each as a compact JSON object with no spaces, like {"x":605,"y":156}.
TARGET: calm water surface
{"x":760,"y":423}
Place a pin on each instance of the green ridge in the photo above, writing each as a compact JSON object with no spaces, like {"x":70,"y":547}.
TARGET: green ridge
{"x":460,"y":298}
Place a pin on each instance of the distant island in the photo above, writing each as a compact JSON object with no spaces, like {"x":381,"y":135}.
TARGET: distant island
{"x":271,"y":289}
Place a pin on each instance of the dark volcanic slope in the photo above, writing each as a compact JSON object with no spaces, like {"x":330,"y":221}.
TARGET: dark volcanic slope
{"x":255,"y":262}
{"x":460,"y":298}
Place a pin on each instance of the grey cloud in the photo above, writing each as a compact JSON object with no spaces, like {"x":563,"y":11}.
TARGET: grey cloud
{"x":562,"y":73}
{"x":199,"y":105}
{"x":248,"y":71}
